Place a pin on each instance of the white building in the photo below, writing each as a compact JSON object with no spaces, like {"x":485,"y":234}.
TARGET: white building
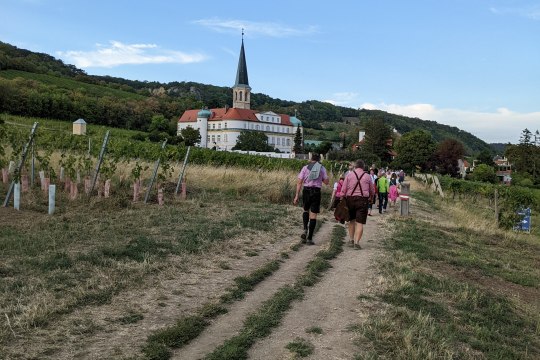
{"x":221,"y":127}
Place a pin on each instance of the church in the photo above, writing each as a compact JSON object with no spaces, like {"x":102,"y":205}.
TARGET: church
{"x":220,"y":128}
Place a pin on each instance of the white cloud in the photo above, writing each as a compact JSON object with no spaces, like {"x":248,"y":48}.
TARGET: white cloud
{"x":531,"y":12}
{"x":503,"y":125}
{"x":343,"y":98}
{"x":118,"y":53}
{"x":253,"y":28}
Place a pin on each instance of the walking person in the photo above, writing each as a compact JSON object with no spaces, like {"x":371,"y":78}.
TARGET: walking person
{"x":373,"y":176}
{"x":382,"y":188}
{"x":393,"y":192}
{"x":358,"y":190}
{"x":311,"y":177}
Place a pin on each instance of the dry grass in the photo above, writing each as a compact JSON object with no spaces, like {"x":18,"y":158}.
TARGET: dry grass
{"x":95,"y":250}
{"x":454,"y":286}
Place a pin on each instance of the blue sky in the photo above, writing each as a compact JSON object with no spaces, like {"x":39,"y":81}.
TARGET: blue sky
{"x":471,"y":64}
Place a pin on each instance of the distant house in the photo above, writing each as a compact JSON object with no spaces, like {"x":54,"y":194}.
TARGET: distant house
{"x":79,"y":127}
{"x":389,"y":142}
{"x":503,"y":169}
{"x":464,"y":167}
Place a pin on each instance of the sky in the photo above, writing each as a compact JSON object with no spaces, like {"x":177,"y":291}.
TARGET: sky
{"x":473,"y":64}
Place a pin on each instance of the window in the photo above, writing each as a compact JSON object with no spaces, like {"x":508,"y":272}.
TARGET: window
{"x":219,"y":126}
{"x":213,"y":126}
{"x":267,"y":128}
{"x":279,"y":141}
{"x":271,"y":140}
{"x":219,"y":138}
{"x":246,"y":125}
{"x":225,"y":138}
{"x":213,"y":138}
{"x":208,"y":138}
{"x":225,"y":125}
{"x":251,"y":126}
{"x":288,"y":142}
{"x":258,"y":127}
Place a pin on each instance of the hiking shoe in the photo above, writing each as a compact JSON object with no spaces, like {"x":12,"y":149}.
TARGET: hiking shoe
{"x":303,"y":237}
{"x":357,"y":247}
{"x":310,"y":242}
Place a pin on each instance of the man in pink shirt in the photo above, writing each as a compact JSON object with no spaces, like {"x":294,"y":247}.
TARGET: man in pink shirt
{"x":312,"y":176}
{"x":358,"y":191}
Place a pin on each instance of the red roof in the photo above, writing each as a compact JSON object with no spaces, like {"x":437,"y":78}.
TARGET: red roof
{"x":230,"y":114}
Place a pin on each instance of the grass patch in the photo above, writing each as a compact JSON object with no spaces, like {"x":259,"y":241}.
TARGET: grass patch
{"x":439,"y":304}
{"x":224,"y":265}
{"x":130,"y":318}
{"x":244,"y":284}
{"x":252,"y":253}
{"x":314,"y":330}
{"x":269,"y":315}
{"x":300,"y":347}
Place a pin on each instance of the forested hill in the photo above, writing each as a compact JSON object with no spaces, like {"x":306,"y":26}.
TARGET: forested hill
{"x":36,"y":84}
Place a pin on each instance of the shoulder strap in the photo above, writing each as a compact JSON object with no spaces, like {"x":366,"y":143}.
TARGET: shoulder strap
{"x":358,"y":183}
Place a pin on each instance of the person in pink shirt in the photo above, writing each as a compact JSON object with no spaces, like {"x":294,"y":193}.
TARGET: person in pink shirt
{"x":312,"y":176}
{"x":393,"y":192}
{"x":358,"y":191}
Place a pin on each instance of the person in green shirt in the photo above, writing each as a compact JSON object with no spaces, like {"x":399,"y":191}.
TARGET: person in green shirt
{"x":382,"y":186}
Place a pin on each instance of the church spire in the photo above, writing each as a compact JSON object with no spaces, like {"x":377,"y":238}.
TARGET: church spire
{"x":241,"y":73}
{"x":241,"y":89}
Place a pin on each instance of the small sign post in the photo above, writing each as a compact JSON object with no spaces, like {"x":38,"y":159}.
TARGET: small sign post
{"x":524,"y":223}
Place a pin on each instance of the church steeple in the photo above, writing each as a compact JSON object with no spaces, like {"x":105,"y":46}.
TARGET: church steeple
{"x":241,"y":89}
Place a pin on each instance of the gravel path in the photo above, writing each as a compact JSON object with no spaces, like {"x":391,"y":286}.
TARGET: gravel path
{"x":330,"y":305}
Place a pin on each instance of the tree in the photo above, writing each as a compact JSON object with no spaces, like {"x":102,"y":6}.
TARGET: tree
{"x":298,"y":141}
{"x":191,"y":136}
{"x":525,"y":156}
{"x":485,"y":157}
{"x":414,"y":150}
{"x":447,"y":155}
{"x":485,"y":173}
{"x":377,"y":139}
{"x":252,"y":141}
{"x":323,"y":147}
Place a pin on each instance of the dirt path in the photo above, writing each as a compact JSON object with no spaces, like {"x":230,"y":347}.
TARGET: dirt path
{"x":228,"y":325}
{"x":331,"y":305}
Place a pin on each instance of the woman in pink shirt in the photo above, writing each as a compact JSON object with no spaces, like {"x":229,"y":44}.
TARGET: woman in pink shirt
{"x":358,"y":191}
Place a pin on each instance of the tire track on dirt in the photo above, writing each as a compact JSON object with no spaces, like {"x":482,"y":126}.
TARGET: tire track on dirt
{"x":228,"y":325}
{"x":330,"y":305}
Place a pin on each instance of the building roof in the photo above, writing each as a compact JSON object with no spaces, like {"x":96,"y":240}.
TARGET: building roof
{"x":241,"y":73}
{"x":220,"y":114}
{"x":295,"y":121}
{"x":80,"y":121}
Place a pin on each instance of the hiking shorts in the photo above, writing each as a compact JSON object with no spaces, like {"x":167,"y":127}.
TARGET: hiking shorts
{"x":358,"y":208}
{"x":312,"y":199}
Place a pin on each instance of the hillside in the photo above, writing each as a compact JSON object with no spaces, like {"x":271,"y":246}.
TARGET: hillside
{"x":38,"y":85}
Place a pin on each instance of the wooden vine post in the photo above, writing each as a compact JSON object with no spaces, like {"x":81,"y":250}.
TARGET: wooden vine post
{"x":156,"y":167}
{"x":100,"y":160}
{"x":181,"y":176}
{"x":21,"y":163}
